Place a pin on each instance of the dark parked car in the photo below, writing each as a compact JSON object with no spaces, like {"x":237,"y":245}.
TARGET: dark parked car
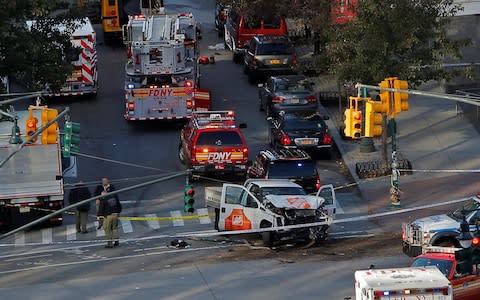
{"x":286,"y":92}
{"x":292,"y":164}
{"x":268,"y":55}
{"x":301,"y":130}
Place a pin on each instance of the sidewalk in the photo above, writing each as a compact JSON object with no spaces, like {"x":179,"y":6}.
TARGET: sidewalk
{"x":432,"y":136}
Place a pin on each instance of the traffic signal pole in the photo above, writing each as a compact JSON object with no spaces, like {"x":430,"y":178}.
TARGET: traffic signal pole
{"x":392,"y":125}
{"x":35,"y":134}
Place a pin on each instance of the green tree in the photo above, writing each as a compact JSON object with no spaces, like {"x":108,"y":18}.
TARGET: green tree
{"x":40,"y":52}
{"x":404,"y":38}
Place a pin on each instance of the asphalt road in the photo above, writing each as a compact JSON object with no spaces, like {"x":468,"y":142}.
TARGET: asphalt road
{"x":150,"y":148}
{"x":45,"y":255}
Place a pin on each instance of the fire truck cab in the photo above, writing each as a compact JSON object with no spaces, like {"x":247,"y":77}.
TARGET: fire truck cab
{"x":465,"y":286}
{"x":211,"y":142}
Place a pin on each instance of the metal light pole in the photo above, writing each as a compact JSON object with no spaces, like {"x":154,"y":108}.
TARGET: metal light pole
{"x":394,"y":191}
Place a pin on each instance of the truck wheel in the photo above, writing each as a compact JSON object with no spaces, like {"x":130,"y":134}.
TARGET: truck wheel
{"x":181,"y":154}
{"x":252,"y":77}
{"x":217,"y":218}
{"x":267,"y":238}
{"x":446,"y":244}
{"x":236,"y":58}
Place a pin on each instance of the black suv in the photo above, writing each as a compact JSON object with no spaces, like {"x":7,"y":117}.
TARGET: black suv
{"x":268,"y":55}
{"x":293,"y":164}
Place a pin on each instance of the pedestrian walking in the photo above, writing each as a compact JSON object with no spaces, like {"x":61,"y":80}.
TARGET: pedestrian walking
{"x":79,"y":193}
{"x":110,"y":209}
{"x":104,"y":188}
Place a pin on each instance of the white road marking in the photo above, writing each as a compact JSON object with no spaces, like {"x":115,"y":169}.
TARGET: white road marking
{"x":101,"y":259}
{"x":126,"y":226}
{"x":71,"y":232}
{"x":205,"y":219}
{"x":28,"y":257}
{"x":19,"y":238}
{"x":100,"y":232}
{"x":177,"y":215}
{"x":47,"y":235}
{"x":152,"y":223}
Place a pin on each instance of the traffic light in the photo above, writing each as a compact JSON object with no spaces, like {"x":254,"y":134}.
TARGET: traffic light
{"x":30,"y":126}
{"x":49,"y":135}
{"x":400,"y":99}
{"x":348,"y":122}
{"x":374,"y":118}
{"x":357,"y":124}
{"x":386,"y":97}
{"x":353,"y":119}
{"x":188,"y":200}
{"x":71,"y":139}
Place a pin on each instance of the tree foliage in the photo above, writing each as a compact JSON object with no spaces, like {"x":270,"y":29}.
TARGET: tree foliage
{"x":404,"y":38}
{"x":42,"y":52}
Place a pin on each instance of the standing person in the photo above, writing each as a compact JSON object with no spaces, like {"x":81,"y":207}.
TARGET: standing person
{"x":79,"y":193}
{"x":104,"y":188}
{"x":110,"y":208}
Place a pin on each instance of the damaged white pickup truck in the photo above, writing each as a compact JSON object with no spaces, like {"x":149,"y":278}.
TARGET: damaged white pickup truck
{"x":261,"y":203}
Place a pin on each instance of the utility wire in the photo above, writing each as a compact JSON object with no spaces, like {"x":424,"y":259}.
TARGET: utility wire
{"x":47,"y":217}
{"x":119,"y":162}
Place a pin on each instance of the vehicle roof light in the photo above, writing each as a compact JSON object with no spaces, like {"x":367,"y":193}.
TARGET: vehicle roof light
{"x":437,"y":249}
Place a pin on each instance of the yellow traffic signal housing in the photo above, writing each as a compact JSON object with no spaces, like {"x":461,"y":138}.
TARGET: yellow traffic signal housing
{"x":374,"y":118}
{"x":356,"y":124}
{"x":400,"y":99}
{"x":348,"y":122}
{"x":49,"y":135}
{"x":30,"y":126}
{"x":353,"y":118}
{"x":386,"y":97}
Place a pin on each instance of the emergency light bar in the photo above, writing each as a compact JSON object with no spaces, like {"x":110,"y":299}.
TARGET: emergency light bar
{"x":437,"y":249}
{"x":217,"y":115}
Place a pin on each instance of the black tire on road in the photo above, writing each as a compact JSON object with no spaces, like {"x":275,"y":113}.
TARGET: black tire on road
{"x":217,"y":218}
{"x":267,"y":238}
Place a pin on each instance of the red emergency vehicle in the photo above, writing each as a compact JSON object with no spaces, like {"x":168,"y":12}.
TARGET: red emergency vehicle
{"x":465,"y":286}
{"x":211,"y":142}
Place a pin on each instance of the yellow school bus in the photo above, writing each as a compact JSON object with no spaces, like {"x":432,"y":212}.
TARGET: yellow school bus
{"x":111,"y":20}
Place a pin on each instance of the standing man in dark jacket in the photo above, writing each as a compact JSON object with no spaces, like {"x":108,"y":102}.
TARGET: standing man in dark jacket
{"x":110,"y":208}
{"x":104,"y":188}
{"x":79,"y":193}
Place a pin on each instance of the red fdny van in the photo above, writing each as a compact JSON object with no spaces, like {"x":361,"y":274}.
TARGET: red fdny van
{"x":212,"y":143}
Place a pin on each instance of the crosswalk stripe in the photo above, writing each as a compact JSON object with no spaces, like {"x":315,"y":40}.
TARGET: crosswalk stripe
{"x":100,"y":232}
{"x":19,"y":238}
{"x":176,"y":214}
{"x":152,"y":223}
{"x":47,"y":235}
{"x":71,"y":232}
{"x":126,"y":226}
{"x":205,"y":219}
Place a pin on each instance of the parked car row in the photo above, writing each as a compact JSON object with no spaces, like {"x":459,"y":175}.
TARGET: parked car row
{"x":297,"y":130}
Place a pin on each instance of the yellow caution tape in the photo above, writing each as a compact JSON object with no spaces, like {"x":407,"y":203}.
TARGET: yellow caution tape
{"x":164,"y":218}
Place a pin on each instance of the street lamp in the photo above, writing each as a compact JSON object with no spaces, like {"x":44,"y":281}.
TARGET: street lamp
{"x":465,"y":237}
